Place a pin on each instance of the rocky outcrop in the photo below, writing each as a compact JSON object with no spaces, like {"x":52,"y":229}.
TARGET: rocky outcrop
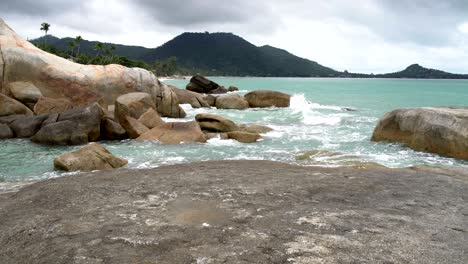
{"x":175,"y":133}
{"x":210,"y":99}
{"x":46,"y":105}
{"x":133,"y":105}
{"x":215,"y":123}
{"x":88,"y":158}
{"x":9,"y":106}
{"x":27,"y":127}
{"x":133,"y":127}
{"x":25,"y":92}
{"x":151,"y":119}
{"x":188,"y":97}
{"x":57,"y":77}
{"x":5,"y":132}
{"x":238,"y":212}
{"x":438,"y":130}
{"x":200,"y":84}
{"x":231,"y":101}
{"x":244,"y":137}
{"x":111,"y":130}
{"x":73,"y":127}
{"x":267,"y":98}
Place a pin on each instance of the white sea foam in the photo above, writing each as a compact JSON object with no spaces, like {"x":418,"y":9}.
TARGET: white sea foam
{"x":300,"y":105}
{"x":217,"y":141}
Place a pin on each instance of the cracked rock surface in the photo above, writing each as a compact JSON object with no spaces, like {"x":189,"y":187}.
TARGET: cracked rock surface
{"x":239,"y":212}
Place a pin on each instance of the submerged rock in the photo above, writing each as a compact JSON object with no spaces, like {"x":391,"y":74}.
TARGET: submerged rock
{"x":244,"y":137}
{"x":267,"y":98}
{"x":438,"y":130}
{"x":88,"y":158}
{"x":175,"y":133}
{"x":238,"y":212}
{"x":215,"y":123}
{"x":256,"y":129}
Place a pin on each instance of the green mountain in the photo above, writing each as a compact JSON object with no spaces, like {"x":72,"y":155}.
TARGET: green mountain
{"x":416,"y":71}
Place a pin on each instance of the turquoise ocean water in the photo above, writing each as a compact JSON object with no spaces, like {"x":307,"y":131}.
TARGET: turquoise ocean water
{"x":315,"y":121}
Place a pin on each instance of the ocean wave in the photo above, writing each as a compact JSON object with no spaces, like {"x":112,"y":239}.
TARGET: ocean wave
{"x":300,"y":105}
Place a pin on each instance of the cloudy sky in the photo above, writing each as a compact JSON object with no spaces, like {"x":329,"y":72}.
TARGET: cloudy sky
{"x":359,"y":36}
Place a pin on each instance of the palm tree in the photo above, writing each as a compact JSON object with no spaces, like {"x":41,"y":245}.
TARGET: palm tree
{"x":97,"y":47}
{"x":72,"y":45}
{"x":78,"y":39}
{"x":45,"y":27}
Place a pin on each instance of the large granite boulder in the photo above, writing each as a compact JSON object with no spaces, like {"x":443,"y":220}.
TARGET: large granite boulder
{"x":244,"y":137}
{"x":133,"y":127}
{"x":89,"y":158}
{"x":9,"y":106}
{"x":437,"y":130}
{"x":111,"y":130}
{"x":215,"y":123}
{"x":133,"y":105}
{"x":73,"y":127}
{"x":47,"y":105}
{"x":231,"y":101}
{"x":6,"y":132}
{"x":151,"y":119}
{"x":267,"y":98}
{"x":57,"y":77}
{"x":188,"y":97}
{"x":25,"y":92}
{"x":200,"y":84}
{"x":175,"y":133}
{"x":210,"y":99}
{"x":26,"y":127}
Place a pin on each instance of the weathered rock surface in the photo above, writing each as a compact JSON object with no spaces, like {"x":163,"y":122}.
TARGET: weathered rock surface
{"x":151,"y":119}
{"x":188,"y":97}
{"x":57,"y":77}
{"x":267,"y":98}
{"x":200,"y":84}
{"x":73,"y":127}
{"x":210,"y":99}
{"x":25,"y":92}
{"x":244,"y":137}
{"x":215,"y":123}
{"x":6,"y":132}
{"x":46,"y":105}
{"x":112,"y":130}
{"x":437,"y":130}
{"x":175,"y":133}
{"x":9,"y":106}
{"x":133,"y":105}
{"x":26,"y":127}
{"x":133,"y":127}
{"x":238,"y":212}
{"x":88,"y":158}
{"x":231,"y":101}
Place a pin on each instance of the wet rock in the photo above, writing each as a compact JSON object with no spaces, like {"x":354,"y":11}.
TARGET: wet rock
{"x":233,"y":89}
{"x":133,"y":127}
{"x":112,"y":130}
{"x":210,"y":99}
{"x":26,"y":127}
{"x":219,"y":90}
{"x":215,"y":123}
{"x":6,"y":132}
{"x":256,"y":129}
{"x":238,"y":212}
{"x":25,"y":92}
{"x":188,"y":97}
{"x":151,"y":119}
{"x":267,"y":98}
{"x":88,"y":158}
{"x":231,"y":101}
{"x":438,"y":130}
{"x":47,"y":105}
{"x":244,"y":137}
{"x":133,"y":105}
{"x":200,"y":84}
{"x":175,"y":133}
{"x":9,"y":106}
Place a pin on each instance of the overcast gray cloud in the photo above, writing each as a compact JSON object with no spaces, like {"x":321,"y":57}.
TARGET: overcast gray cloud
{"x":359,"y":35}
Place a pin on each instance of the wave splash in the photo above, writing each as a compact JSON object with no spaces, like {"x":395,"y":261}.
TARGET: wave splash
{"x":308,"y":110}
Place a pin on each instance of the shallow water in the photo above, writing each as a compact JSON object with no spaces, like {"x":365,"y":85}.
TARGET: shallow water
{"x":316,"y":120}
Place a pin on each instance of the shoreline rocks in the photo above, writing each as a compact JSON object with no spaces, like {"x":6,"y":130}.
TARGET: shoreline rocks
{"x":267,"y":98}
{"x":438,"y":130}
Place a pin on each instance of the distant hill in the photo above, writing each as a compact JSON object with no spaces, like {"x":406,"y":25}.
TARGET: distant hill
{"x":416,"y":71}
{"x":228,"y":54}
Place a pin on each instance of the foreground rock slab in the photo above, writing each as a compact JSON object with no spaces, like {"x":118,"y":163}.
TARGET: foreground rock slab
{"x":438,"y":130}
{"x":239,"y":212}
{"x":88,"y":158}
